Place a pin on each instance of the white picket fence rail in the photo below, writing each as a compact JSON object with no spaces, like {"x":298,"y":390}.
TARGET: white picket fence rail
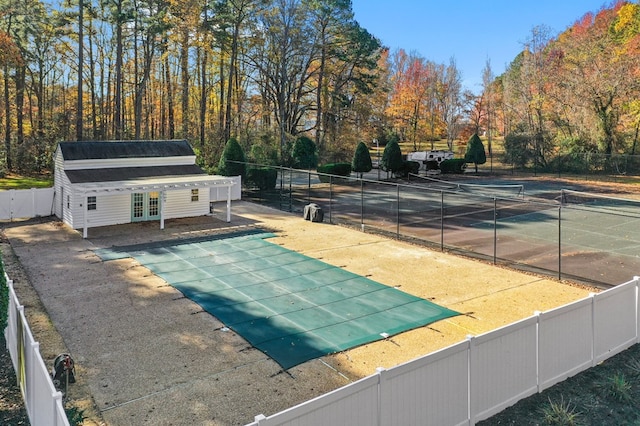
{"x":479,"y":377}
{"x":42,"y":401}
{"x":26,"y":203}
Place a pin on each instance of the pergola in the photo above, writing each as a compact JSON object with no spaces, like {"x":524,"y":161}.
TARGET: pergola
{"x":145,"y":185}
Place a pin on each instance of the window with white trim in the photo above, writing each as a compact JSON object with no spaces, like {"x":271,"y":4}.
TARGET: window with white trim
{"x":92,"y":203}
{"x":195,"y":196}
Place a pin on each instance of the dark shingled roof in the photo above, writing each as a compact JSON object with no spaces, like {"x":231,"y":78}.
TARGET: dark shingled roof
{"x":129,"y":173}
{"x":102,"y":150}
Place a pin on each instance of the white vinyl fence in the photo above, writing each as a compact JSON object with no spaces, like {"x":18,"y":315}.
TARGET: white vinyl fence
{"x":26,"y":203}
{"x":479,"y":377}
{"x":220,"y":194}
{"x":36,"y":202}
{"x":42,"y":400}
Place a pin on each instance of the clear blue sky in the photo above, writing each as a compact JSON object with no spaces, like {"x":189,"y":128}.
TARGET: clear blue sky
{"x":470,"y":31}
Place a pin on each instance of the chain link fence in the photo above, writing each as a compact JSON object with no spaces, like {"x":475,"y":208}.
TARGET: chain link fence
{"x":575,"y":240}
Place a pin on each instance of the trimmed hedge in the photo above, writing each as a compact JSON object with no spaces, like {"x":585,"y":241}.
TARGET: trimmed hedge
{"x":263,"y":178}
{"x":454,"y":165}
{"x":408,"y":167}
{"x":432,"y":165}
{"x":340,"y":169}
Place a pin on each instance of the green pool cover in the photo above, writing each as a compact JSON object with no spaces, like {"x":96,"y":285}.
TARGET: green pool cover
{"x":290,"y":306}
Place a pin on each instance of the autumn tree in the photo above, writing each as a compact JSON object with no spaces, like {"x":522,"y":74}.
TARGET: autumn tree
{"x":349,"y":77}
{"x":489,"y":103}
{"x":329,"y":18}
{"x":449,"y":95}
{"x":528,"y":91}
{"x":10,"y":56}
{"x":410,"y":96}
{"x":600,"y":73}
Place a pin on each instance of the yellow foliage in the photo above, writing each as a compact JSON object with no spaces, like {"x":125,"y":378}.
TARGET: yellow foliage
{"x":626,"y":17}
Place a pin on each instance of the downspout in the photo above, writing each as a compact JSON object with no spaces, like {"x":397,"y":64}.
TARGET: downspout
{"x":161,"y":200}
{"x":84,"y":215}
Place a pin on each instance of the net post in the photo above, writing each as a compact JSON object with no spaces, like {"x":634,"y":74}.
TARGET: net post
{"x":398,"y":212}
{"x":290,"y":190}
{"x":495,"y":229}
{"x":309,"y":187}
{"x":441,"y":220}
{"x":330,"y":198}
{"x":560,"y":241}
{"x":361,"y":204}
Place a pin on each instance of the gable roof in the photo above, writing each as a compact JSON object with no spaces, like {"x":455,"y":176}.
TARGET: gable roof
{"x":128,"y":173}
{"x":103,"y":150}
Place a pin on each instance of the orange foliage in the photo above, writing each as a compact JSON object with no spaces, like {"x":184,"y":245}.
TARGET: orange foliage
{"x":9,"y":52}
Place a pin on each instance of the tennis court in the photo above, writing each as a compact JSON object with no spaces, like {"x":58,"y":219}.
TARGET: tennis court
{"x":291,"y":307}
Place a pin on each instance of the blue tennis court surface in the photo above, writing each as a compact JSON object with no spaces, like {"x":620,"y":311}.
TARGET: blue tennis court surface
{"x":290,"y":306}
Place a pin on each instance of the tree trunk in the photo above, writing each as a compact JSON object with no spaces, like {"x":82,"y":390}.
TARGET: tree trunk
{"x":20,"y":80}
{"x":92,"y":76}
{"x":171,"y":125}
{"x":319,"y":112}
{"x":203,"y":97}
{"x":231,"y":76}
{"x":221,"y":107}
{"x":7,"y":119}
{"x":184,"y":71}
{"x":117,"y":96}
{"x":80,"y":107}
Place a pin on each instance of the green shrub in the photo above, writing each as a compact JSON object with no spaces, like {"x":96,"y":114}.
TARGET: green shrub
{"x":75,"y":415}
{"x":232,"y":160}
{"x":340,"y":169}
{"x":263,"y":178}
{"x":304,"y":153}
{"x":432,"y":165}
{"x":454,"y":165}
{"x":391,"y":158}
{"x":361,"y":162}
{"x":475,"y":151}
{"x":4,"y":298}
{"x":560,"y":413}
{"x":408,"y":167}
{"x":617,"y":387}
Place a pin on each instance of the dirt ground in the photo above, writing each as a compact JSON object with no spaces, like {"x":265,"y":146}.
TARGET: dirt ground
{"x":106,"y":314}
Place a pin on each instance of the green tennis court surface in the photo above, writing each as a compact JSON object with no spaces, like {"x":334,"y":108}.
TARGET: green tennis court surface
{"x":291,"y":307}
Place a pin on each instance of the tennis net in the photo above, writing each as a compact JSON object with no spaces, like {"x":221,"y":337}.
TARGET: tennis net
{"x":606,"y":203}
{"x":489,"y":190}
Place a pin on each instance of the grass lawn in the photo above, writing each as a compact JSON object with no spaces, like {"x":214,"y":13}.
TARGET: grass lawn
{"x":13,"y":181}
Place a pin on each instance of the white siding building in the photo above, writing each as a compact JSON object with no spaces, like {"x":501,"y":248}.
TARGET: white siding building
{"x":113,"y":182}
